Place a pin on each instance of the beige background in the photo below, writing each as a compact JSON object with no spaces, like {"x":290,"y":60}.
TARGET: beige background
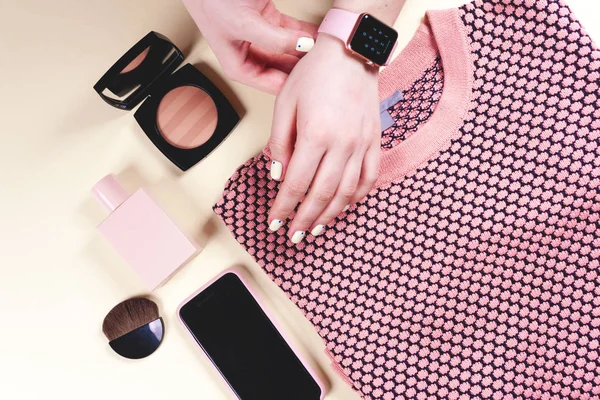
{"x":58,"y":277}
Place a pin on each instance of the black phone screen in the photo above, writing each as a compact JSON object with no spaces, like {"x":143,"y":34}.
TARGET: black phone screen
{"x":244,"y":345}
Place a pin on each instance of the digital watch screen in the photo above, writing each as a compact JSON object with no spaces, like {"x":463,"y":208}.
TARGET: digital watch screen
{"x":373,"y":40}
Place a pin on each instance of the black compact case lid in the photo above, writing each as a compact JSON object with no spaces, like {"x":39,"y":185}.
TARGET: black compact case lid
{"x":162,"y":59}
{"x":188,"y":75}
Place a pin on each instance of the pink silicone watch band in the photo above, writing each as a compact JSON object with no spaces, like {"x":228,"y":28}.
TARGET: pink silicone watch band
{"x":339,"y":23}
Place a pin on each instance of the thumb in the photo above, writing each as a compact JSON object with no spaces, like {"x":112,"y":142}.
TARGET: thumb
{"x":283,"y":136}
{"x":276,"y":39}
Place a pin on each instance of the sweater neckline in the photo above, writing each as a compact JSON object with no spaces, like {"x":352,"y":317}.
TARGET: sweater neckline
{"x":441,"y":35}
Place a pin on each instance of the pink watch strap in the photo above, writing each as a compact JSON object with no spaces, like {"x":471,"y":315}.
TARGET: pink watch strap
{"x":339,"y":23}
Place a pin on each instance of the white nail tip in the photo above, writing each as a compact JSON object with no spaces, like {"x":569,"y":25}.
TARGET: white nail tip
{"x":275,"y":225}
{"x":276,"y":170}
{"x":317,"y":230}
{"x":304,"y":44}
{"x":346,"y":208}
{"x":298,"y":237}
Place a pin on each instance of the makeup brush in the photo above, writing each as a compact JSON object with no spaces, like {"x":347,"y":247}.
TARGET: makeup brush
{"x":134,"y":328}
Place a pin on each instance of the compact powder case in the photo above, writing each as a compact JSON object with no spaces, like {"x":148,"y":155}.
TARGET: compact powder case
{"x":184,"y":114}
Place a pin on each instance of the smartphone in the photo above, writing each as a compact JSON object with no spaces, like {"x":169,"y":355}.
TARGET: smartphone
{"x":243,"y":344}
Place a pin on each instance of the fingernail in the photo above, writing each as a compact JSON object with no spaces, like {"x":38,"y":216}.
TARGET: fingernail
{"x":275,"y":225}
{"x":304,"y":44}
{"x":317,"y":230}
{"x":298,"y":237}
{"x":276,"y":170}
{"x":346,"y":208}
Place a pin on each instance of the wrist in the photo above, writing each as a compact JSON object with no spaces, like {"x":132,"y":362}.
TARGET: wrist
{"x":333,"y":44}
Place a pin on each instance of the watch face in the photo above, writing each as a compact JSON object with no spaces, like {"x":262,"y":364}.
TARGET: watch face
{"x":373,"y":39}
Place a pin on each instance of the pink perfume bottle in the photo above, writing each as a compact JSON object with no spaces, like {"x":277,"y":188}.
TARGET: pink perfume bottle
{"x":142,"y":233}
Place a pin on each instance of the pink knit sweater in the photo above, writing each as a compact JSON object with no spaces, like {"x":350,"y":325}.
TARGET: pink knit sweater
{"x":472,"y":268}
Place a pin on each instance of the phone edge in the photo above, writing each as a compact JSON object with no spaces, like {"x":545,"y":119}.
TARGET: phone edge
{"x":269,"y":315}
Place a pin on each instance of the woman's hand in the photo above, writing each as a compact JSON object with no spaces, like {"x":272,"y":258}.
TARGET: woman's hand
{"x":325,"y":139}
{"x":254,"y":42}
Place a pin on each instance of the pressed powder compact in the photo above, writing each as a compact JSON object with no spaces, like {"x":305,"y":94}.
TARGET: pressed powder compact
{"x":184,"y":114}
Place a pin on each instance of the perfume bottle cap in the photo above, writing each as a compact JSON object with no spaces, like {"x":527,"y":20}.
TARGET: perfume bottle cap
{"x":109,"y":192}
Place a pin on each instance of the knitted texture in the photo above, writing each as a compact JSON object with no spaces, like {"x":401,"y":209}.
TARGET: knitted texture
{"x":476,"y":274}
{"x":417,"y":104}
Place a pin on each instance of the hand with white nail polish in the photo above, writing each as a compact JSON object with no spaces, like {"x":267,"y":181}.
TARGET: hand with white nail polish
{"x":304,"y":44}
{"x":298,"y":237}
{"x":275,"y":225}
{"x":276,"y":170}
{"x":317,"y":230}
{"x":254,"y":42}
{"x":325,"y":138}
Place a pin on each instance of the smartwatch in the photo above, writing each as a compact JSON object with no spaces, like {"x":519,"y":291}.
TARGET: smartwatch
{"x":364,"y":35}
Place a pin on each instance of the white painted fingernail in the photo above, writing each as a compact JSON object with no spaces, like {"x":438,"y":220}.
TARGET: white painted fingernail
{"x":298,"y":237}
{"x":304,"y":44}
{"x":317,"y":230}
{"x":275,"y":225}
{"x":346,"y":208}
{"x":276,"y":170}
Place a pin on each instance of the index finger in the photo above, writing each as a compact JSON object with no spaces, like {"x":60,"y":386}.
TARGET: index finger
{"x":299,"y":175}
{"x":252,"y":66}
{"x":276,"y":39}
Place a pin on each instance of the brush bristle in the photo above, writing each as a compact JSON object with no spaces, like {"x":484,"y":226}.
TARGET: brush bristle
{"x":129,"y":315}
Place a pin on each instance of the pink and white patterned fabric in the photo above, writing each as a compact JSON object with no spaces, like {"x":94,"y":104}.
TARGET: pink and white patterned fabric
{"x":472,"y":268}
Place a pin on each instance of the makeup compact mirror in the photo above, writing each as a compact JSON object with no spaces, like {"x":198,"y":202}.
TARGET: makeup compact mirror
{"x":184,"y":114}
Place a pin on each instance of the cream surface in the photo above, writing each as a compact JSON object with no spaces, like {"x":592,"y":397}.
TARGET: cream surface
{"x":58,"y":276}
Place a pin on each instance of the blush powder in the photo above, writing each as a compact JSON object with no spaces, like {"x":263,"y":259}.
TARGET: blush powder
{"x":187,"y":117}
{"x":136,"y":61}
